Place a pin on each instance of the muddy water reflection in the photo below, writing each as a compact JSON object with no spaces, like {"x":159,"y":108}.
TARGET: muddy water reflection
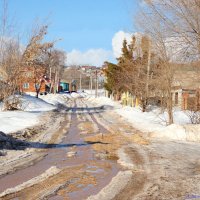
{"x":73,"y":141}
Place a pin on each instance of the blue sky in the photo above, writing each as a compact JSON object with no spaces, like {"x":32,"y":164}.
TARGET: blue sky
{"x":82,"y":24}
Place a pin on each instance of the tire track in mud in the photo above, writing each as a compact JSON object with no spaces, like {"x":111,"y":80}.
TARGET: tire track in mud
{"x":91,"y":116}
{"x":86,"y":171}
{"x":162,"y":170}
{"x":139,"y":158}
{"x":83,"y":115}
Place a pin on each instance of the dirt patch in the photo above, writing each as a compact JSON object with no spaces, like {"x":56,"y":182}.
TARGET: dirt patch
{"x":135,"y":156}
{"x":86,"y":127}
{"x":68,"y":179}
{"x":138,"y":139}
{"x":77,"y":184}
{"x":9,"y":142}
{"x":133,"y":187}
{"x":107,"y":144}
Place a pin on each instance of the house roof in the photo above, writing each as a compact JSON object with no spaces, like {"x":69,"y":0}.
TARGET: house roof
{"x":187,"y":76}
{"x":64,"y":81}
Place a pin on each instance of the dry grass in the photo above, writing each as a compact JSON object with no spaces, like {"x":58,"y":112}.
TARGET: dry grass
{"x":107,"y":144}
{"x":137,"y":138}
{"x":78,"y":184}
{"x":110,"y":143}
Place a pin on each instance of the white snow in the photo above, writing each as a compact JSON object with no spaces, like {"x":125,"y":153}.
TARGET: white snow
{"x":56,"y":99}
{"x":33,"y":108}
{"x":31,"y":103}
{"x":14,"y":121}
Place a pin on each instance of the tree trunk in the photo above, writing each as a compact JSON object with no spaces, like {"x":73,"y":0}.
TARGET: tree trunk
{"x":37,"y":94}
{"x":144,"y":106}
{"x":170,"y":109}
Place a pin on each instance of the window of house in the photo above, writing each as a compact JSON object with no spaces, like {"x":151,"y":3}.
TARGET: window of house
{"x":37,"y":85}
{"x":176,"y":98}
{"x":26,"y":85}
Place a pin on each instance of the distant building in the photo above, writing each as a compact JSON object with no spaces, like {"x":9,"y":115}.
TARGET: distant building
{"x":186,"y":90}
{"x":63,"y":87}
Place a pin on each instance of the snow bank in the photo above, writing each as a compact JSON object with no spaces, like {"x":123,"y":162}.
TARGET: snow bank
{"x":56,"y":99}
{"x":187,"y":132}
{"x":31,"y":103}
{"x":104,"y":101}
{"x":75,"y":95}
{"x":32,"y":107}
{"x":101,"y":92}
{"x":150,"y":121}
{"x":61,"y":98}
{"x":16,"y":120}
{"x":11,"y":121}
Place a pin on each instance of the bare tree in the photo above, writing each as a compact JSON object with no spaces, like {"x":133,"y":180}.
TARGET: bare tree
{"x":56,"y":64}
{"x":174,"y":28}
{"x":157,"y":23}
{"x":180,"y":19}
{"x":10,"y":55}
{"x":34,"y":56}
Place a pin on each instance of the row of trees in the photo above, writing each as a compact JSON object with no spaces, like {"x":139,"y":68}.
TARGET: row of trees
{"x":39,"y":58}
{"x":171,"y":36}
{"x":137,"y":70}
{"x":36,"y":60}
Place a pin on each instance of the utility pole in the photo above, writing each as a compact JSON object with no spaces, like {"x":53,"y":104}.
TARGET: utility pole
{"x":96,"y":87}
{"x":50,"y":71}
{"x":80,"y":81}
{"x":148,"y":72}
{"x":91,"y":81}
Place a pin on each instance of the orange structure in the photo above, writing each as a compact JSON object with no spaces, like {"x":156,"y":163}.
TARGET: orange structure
{"x":32,"y":78}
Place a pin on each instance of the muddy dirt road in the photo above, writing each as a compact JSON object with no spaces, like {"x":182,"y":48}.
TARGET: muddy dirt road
{"x":89,"y":152}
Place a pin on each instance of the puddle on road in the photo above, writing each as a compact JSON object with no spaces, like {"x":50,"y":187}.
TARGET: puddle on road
{"x":57,"y":155}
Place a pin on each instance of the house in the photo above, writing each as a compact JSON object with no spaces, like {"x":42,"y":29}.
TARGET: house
{"x":186,"y":98}
{"x":186,"y":87}
{"x":33,"y":78}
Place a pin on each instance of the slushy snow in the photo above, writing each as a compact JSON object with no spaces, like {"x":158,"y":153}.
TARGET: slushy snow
{"x":154,"y":123}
